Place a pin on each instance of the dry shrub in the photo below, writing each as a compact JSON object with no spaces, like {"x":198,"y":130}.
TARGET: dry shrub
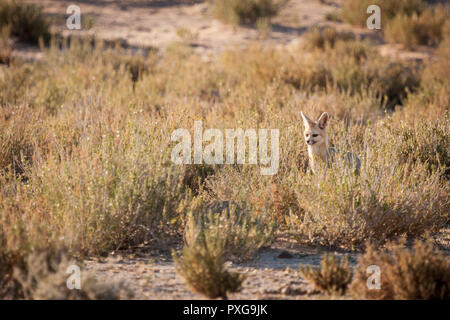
{"x":333,"y":277}
{"x":246,"y":11}
{"x":21,"y":134}
{"x":5,"y":45}
{"x":119,"y":195}
{"x":201,"y":265}
{"x":395,"y":81}
{"x":44,"y":276}
{"x":96,"y":170}
{"x":426,"y":28}
{"x":26,"y":21}
{"x":422,"y":272}
{"x":389,"y":198}
{"x":427,"y":143}
{"x":325,"y":37}
{"x":431,"y":100}
{"x":435,"y":79}
{"x":216,"y":231}
{"x":354,"y":11}
{"x":233,"y":227}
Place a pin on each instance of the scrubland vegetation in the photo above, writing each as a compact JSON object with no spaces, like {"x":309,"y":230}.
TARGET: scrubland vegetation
{"x":409,"y":22}
{"x":417,"y":273}
{"x":24,"y":21}
{"x":238,"y":12}
{"x":85,"y":158}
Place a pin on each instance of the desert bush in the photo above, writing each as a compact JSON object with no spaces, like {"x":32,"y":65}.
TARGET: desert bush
{"x":19,"y":138}
{"x":333,"y":277}
{"x":435,"y":76}
{"x":421,"y":272}
{"x":427,"y":143}
{"x":44,"y":277}
{"x":93,"y":147}
{"x":247,"y":11}
{"x":431,"y":100}
{"x":357,"y":68}
{"x":5,"y":45}
{"x":116,"y":197}
{"x":229,"y":225}
{"x":426,"y":28}
{"x":201,"y":265}
{"x":326,"y":37}
{"x":26,"y":21}
{"x":395,"y":81}
{"x":389,"y":197}
{"x":354,"y":11}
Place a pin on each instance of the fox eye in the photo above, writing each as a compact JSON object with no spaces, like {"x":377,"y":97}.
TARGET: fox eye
{"x":307,"y":134}
{"x":315,"y":135}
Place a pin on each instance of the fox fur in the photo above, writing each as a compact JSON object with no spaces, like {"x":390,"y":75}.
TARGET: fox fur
{"x":319,"y":152}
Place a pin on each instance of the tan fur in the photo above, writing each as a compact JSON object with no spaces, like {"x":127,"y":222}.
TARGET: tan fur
{"x":317,"y":140}
{"x":316,"y":137}
{"x":320,"y":155}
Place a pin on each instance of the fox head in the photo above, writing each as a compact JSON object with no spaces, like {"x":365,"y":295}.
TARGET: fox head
{"x":315,"y":131}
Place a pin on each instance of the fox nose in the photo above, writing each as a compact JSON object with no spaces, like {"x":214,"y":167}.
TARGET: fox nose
{"x":308,"y":141}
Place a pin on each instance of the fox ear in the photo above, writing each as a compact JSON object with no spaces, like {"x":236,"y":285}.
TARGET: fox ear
{"x":307,"y":121}
{"x":323,"y":120}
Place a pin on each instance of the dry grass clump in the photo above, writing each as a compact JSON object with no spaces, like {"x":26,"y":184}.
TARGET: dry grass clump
{"x":389,"y":198}
{"x":5,"y":45}
{"x":223,"y":222}
{"x":45,"y":277}
{"x":201,"y":265}
{"x":354,"y":11}
{"x":422,"y":272}
{"x":246,"y":11}
{"x":85,"y":148}
{"x":325,"y":37}
{"x":410,"y":23}
{"x":426,"y":28}
{"x":333,"y":277}
{"x":26,"y":21}
{"x":216,"y":231}
{"x":432,"y":100}
{"x":352,"y":65}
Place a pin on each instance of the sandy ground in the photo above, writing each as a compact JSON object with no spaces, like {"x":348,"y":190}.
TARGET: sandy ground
{"x":273,"y":274}
{"x":159,"y":23}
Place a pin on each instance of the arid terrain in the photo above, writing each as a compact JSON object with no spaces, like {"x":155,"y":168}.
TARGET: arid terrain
{"x":149,"y":270}
{"x":159,"y":23}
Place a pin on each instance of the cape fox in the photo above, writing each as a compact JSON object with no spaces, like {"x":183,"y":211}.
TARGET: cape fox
{"x":317,"y":140}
